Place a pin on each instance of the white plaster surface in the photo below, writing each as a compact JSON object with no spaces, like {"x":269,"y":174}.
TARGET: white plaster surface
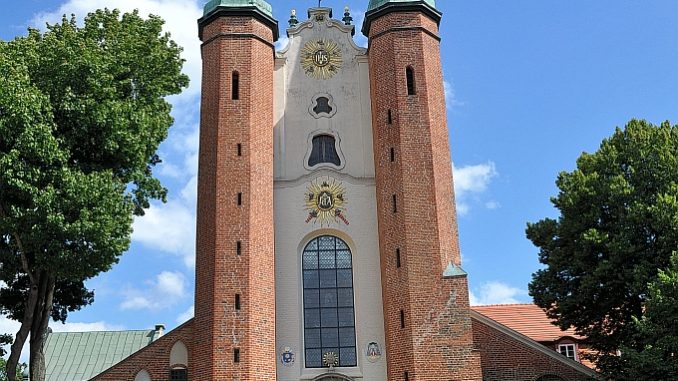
{"x":351,"y":124}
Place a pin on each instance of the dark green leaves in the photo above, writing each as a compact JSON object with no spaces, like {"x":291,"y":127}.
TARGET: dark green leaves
{"x":618,"y":224}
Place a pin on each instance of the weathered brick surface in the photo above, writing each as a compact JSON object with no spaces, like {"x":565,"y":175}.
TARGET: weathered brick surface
{"x":155,"y":358}
{"x":437,"y":342}
{"x":505,"y":358}
{"x":242,"y":44}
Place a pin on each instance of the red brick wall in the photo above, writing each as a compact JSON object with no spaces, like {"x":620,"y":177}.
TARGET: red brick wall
{"x":229,"y":45}
{"x":505,"y":358}
{"x":436,"y":343}
{"x":155,"y":358}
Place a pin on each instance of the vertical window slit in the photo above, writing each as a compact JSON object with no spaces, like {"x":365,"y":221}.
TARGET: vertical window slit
{"x":398,"y":257}
{"x":239,"y":149}
{"x":235,"y":86}
{"x":409,"y":73}
{"x":238,"y":248}
{"x":395,"y":204}
{"x":390,"y":117}
{"x":237,"y":302}
{"x":239,"y":198}
{"x":392,"y":154}
{"x":236,"y":355}
{"x":402,"y":319}
{"x":407,"y":376}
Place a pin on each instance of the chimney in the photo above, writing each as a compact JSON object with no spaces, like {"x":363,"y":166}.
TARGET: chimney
{"x":159,"y":331}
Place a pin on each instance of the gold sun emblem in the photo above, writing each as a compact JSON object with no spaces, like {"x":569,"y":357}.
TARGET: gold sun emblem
{"x":321,"y":59}
{"x":325,"y":201}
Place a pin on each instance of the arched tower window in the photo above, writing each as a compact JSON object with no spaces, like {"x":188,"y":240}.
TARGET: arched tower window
{"x":409,"y":73}
{"x":324,"y":151}
{"x":329,"y":317}
{"x":235,"y":85}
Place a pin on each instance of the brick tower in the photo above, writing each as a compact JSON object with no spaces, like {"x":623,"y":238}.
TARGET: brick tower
{"x":235,"y":300}
{"x":425,"y":293}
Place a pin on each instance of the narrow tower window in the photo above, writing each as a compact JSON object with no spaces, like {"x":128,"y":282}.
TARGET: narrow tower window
{"x":238,"y":248}
{"x":392,"y":154}
{"x":323,"y":151}
{"x":407,"y":376}
{"x":239,"y":149}
{"x":395,"y":204}
{"x":236,"y":355}
{"x":235,"y":86}
{"x":402,"y":319}
{"x":390,"y":117}
{"x":237,"y":302}
{"x":398,"y":258}
{"x":239,"y":198}
{"x":409,"y":72}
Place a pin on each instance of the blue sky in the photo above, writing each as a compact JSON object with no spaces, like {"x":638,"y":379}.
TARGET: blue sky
{"x":530,"y":86}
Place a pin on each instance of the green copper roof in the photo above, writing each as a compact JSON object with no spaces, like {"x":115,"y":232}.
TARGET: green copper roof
{"x":79,"y":356}
{"x":260,"y":4}
{"x":453,"y":271}
{"x":374,"y":4}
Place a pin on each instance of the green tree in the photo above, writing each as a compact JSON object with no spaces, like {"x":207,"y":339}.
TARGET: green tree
{"x":19,"y":371}
{"x":618,"y":225}
{"x":82,"y":112}
{"x":657,"y":358}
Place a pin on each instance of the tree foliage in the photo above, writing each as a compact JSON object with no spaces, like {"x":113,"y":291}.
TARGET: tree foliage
{"x":618,"y":225}
{"x":655,"y":358}
{"x":82,"y":112}
{"x":19,"y":371}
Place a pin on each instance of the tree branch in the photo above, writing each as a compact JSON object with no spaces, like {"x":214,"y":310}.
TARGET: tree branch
{"x":24,"y":260}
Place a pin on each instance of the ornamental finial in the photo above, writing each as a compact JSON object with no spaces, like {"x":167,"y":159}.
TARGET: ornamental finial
{"x":293,"y":18}
{"x":347,"y":16}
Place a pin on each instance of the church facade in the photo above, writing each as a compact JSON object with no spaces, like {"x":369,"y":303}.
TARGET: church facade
{"x":327,"y":244}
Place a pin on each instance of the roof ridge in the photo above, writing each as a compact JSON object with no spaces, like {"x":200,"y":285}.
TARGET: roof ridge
{"x":108,"y":330}
{"x":505,"y":304}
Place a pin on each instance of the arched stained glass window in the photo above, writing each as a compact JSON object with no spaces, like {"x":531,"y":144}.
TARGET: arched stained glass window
{"x":323,"y":151}
{"x":329,"y":317}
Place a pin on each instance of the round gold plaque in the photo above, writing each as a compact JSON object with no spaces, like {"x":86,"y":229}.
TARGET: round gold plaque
{"x":321,"y":59}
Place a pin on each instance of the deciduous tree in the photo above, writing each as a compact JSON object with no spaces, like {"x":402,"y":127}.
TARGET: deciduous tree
{"x":618,"y":225}
{"x":82,"y":112}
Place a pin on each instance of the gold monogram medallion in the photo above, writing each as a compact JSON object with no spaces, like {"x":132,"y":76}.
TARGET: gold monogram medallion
{"x":325,"y":201}
{"x":321,"y":58}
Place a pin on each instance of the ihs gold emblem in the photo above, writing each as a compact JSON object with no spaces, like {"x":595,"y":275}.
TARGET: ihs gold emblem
{"x":325,"y":201}
{"x":321,"y":59}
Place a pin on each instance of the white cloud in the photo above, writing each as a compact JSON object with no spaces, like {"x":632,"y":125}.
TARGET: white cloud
{"x":450,"y":97}
{"x":184,"y":316}
{"x":170,"y":228}
{"x":470,"y":182}
{"x":281,"y":43}
{"x":84,"y":327}
{"x":164,"y":291}
{"x":497,"y":293}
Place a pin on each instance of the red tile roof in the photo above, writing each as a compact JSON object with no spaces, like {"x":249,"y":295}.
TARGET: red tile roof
{"x":527,"y":319}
